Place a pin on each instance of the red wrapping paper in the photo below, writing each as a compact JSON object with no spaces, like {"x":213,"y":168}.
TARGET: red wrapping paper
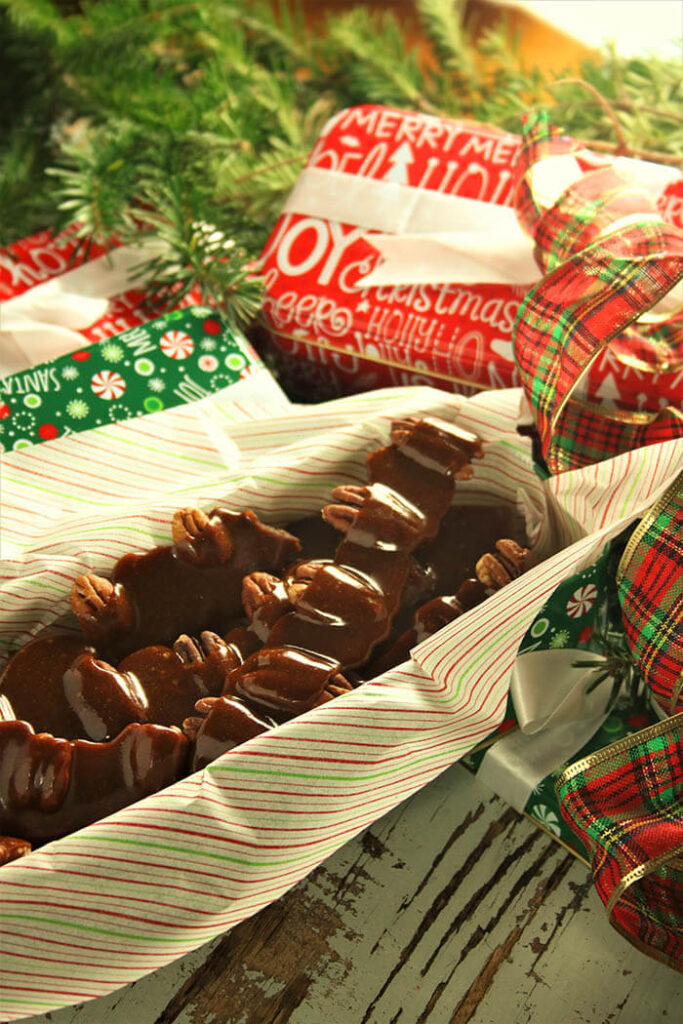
{"x":329,"y":333}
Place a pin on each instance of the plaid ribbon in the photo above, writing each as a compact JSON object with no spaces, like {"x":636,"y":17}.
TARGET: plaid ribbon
{"x":650,"y":587}
{"x":626,"y":805}
{"x":609,"y":258}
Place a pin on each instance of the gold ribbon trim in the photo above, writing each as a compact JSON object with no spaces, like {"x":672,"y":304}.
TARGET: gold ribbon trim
{"x":407,"y":367}
{"x":641,"y":871}
{"x":600,"y":756}
{"x":643,"y":526}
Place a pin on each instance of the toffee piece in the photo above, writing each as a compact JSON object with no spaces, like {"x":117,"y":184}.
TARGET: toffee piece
{"x":193,"y":585}
{"x":348,"y":606}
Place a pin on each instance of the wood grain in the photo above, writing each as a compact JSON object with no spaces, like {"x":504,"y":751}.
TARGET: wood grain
{"x":451,"y":909}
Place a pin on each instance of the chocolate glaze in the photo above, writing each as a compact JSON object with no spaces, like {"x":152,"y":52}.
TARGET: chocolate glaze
{"x":51,"y":786}
{"x":429,"y":618}
{"x":348,"y":606}
{"x":174,"y":679}
{"x":225,"y":722}
{"x":286,"y":680}
{"x":33,"y":683}
{"x":170,"y":593}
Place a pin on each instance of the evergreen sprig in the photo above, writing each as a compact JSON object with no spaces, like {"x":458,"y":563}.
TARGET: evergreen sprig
{"x":188,"y":121}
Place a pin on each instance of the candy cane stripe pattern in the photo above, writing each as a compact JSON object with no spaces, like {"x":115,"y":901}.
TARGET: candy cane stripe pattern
{"x":176,"y":345}
{"x":108,"y":385}
{"x":581,"y":601}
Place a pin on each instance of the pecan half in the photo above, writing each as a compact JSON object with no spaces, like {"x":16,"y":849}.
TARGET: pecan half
{"x":100,"y":604}
{"x":514,"y":557}
{"x":341,"y":517}
{"x":12,"y":848}
{"x":496,"y":570}
{"x":401,"y":429}
{"x":298,"y":579}
{"x":200,"y":540}
{"x":349,"y":494}
{"x":337,"y":685}
{"x":188,"y":650}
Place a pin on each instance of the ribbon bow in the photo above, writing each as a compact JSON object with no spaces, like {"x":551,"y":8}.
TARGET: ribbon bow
{"x":610,"y":260}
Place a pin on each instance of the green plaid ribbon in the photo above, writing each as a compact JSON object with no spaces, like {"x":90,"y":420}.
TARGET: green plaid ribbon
{"x":650,"y":587}
{"x":609,"y":258}
{"x":626,"y":805}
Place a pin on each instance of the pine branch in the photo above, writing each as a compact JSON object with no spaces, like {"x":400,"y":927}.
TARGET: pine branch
{"x":172,"y":116}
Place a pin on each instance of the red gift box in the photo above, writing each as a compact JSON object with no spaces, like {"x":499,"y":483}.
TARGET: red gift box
{"x":377,"y":172}
{"x":39,"y":274}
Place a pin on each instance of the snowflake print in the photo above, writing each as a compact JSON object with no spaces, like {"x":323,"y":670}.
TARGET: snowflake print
{"x":108,"y":385}
{"x":112,"y":352}
{"x":221,"y":380}
{"x":207,"y":345}
{"x":199,"y":311}
{"x":70,"y":373}
{"x":23,"y":420}
{"x":156,"y":384}
{"x":582,"y":600}
{"x":547,"y":818}
{"x":117,"y":412}
{"x":559,"y":640}
{"x":176,"y":345}
{"x":77,"y":408}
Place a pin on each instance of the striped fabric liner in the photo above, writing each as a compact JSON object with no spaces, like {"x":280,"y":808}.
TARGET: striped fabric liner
{"x":129,"y":894}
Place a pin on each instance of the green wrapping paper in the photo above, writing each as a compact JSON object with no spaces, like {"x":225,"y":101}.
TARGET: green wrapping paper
{"x":177,"y":358}
{"x":572,"y":624}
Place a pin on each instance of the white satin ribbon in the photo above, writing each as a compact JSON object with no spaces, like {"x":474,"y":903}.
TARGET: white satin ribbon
{"x":487,"y":244}
{"x":556,"y":719}
{"x":483,"y":243}
{"x":43,"y":322}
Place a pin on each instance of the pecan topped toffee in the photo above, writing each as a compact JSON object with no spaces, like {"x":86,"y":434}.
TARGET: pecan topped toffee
{"x":192,"y":648}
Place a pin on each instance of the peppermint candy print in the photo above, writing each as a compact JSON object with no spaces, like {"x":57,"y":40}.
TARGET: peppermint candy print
{"x":108,"y":385}
{"x":176,"y":344}
{"x":582,"y":600}
{"x":183,"y":356}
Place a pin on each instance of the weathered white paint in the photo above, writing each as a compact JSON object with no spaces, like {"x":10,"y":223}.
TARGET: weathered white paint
{"x":450,"y":909}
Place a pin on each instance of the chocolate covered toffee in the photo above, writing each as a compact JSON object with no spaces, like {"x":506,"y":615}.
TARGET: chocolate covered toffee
{"x":193,"y":648}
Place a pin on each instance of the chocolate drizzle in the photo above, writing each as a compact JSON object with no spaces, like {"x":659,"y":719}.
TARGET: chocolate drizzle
{"x":193,"y":585}
{"x":202,"y":633}
{"x":348,"y":606}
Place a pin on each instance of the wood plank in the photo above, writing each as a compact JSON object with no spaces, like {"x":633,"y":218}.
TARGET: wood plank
{"x":452,"y":908}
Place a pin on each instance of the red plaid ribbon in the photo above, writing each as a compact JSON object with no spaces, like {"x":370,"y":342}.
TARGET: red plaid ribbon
{"x":626,"y":805}
{"x":650,"y":586}
{"x":609,"y":259}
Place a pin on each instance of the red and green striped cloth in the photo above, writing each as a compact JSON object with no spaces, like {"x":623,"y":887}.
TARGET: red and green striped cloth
{"x":609,"y":258}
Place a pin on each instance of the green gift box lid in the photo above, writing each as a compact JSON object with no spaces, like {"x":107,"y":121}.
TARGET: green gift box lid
{"x":178,"y":358}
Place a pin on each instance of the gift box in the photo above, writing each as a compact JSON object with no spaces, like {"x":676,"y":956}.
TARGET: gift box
{"x":398,"y":259}
{"x":56,"y":294}
{"x":181,"y":357}
{"x":216,"y":847}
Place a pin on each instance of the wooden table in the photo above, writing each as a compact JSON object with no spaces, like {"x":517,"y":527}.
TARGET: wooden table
{"x":452,"y":908}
